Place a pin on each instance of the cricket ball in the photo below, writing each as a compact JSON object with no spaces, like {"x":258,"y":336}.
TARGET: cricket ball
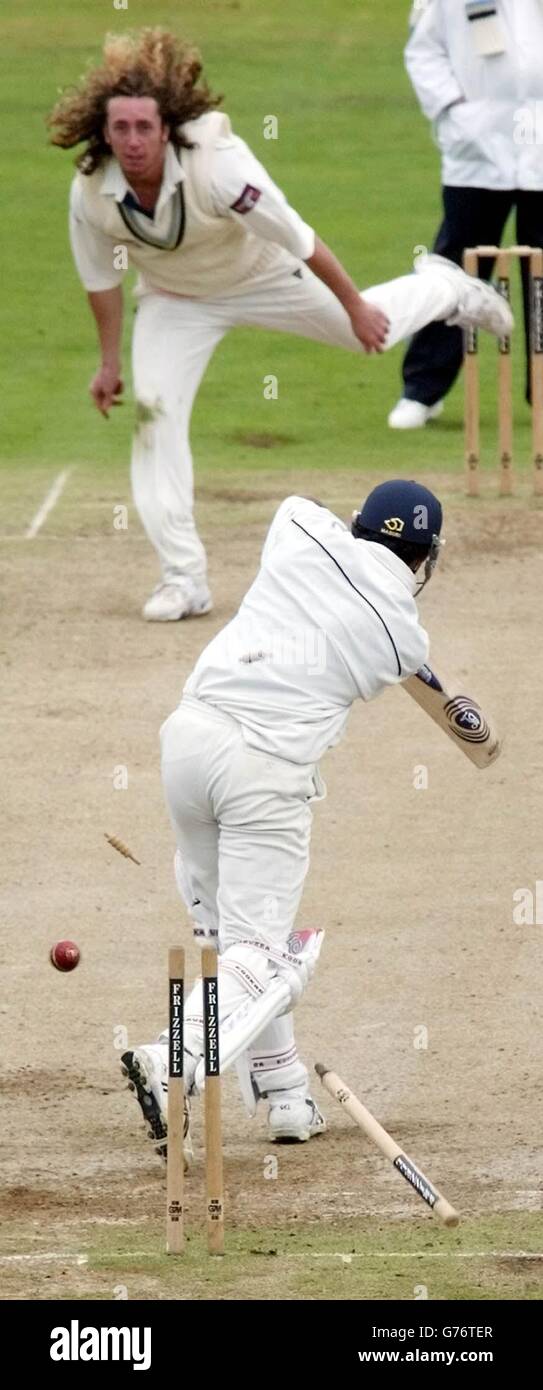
{"x":65,"y":955}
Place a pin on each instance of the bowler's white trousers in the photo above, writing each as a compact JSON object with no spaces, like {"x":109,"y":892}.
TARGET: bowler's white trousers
{"x":242,"y":821}
{"x":172,"y":344}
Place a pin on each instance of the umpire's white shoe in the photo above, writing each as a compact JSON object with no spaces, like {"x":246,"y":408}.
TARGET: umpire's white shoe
{"x":413,"y":415}
{"x":293,"y":1117}
{"x":179,"y":598}
{"x":479,"y":304}
{"x":147,"y":1072}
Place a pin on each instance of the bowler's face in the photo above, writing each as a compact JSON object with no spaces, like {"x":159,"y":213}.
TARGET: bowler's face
{"x":137,"y":136}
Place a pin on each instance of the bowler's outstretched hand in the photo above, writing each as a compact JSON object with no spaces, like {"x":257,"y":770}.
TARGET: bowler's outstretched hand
{"x":106,"y":388}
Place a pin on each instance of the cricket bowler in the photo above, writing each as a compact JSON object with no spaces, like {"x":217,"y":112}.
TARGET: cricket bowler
{"x":164,"y":185}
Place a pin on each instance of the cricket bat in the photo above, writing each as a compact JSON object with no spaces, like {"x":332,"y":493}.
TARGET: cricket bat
{"x":458,"y":715}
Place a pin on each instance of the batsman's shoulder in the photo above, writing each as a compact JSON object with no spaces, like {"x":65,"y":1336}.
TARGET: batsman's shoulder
{"x":294,"y":508}
{"x":290,"y":505}
{"x":307,"y":510}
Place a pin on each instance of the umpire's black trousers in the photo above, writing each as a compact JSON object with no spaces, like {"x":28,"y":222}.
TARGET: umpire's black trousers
{"x":473,"y":216}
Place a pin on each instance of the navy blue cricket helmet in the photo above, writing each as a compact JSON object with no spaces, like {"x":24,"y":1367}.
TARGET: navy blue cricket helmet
{"x":402,"y":513}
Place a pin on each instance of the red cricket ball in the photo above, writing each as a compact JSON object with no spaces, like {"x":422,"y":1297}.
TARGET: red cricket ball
{"x":65,"y":955}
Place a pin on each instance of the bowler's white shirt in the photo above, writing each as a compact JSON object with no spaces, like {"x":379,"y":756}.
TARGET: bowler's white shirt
{"x":234,"y":168}
{"x":328,"y":619}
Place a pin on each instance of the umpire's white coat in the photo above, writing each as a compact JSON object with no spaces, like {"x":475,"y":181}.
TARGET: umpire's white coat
{"x":493,"y":137}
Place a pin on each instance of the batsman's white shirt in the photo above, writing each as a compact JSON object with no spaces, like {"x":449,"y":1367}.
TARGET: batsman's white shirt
{"x":329,"y":619}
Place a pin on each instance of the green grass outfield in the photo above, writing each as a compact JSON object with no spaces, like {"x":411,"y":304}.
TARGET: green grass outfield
{"x":495,"y":1257}
{"x":354,"y":156}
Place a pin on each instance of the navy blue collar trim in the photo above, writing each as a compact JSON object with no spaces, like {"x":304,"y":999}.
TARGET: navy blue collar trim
{"x":129,"y":201}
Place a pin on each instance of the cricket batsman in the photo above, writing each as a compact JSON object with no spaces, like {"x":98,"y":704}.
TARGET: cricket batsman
{"x":330,"y":618}
{"x":164,"y":185}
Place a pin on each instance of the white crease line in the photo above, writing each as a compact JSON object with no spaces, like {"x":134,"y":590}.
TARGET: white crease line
{"x":42,"y":1258}
{"x":47,"y":505}
{"x":88,"y":540}
{"x":346,"y":1256}
{"x":105,"y":1220}
{"x":417,"y":1255}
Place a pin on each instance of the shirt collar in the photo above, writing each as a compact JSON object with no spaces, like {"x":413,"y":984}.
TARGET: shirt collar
{"x":393,"y":563}
{"x":115,"y":185}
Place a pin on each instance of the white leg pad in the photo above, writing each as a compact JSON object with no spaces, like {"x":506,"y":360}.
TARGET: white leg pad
{"x":274,"y":1060}
{"x":242,"y":1026}
{"x":257,"y":983}
{"x":249,"y":1095}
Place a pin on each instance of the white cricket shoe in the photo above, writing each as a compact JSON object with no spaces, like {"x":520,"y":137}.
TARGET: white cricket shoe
{"x":147,"y":1072}
{"x":412,"y":415}
{"x":479,"y":304}
{"x":293,"y":1117}
{"x":179,"y":598}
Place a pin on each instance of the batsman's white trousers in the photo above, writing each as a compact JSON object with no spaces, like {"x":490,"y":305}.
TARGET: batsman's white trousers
{"x":242,"y":821}
{"x":172,"y":344}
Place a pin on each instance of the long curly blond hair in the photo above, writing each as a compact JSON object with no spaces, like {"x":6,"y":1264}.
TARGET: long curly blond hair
{"x":150,"y":62}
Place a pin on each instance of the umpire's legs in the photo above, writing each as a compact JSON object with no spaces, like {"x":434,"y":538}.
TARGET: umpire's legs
{"x":529,"y":233}
{"x":473,"y":216}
